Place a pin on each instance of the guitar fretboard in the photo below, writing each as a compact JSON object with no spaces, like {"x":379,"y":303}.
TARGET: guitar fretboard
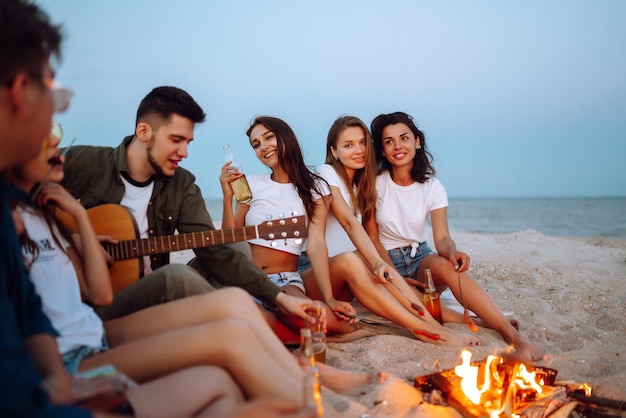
{"x":135,"y":248}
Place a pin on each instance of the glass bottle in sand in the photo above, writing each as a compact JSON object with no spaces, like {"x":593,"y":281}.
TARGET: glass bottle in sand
{"x":431,"y":297}
{"x":311,"y":389}
{"x":318,"y":336}
{"x":241,"y":188}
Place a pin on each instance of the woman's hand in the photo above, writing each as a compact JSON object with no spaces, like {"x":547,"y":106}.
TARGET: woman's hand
{"x":460,"y":261}
{"x":295,"y":306}
{"x":384,"y":273}
{"x":342,"y":310}
{"x":227,"y":176}
{"x":54,"y":192}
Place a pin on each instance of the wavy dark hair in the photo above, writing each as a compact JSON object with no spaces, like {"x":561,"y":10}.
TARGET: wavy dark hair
{"x":291,"y":160}
{"x":365,"y":179}
{"x":422,"y":163}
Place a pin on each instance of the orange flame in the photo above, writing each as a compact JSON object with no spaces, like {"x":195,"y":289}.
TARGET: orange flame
{"x":493,"y":388}
{"x":469,"y":375}
{"x":586,"y":387}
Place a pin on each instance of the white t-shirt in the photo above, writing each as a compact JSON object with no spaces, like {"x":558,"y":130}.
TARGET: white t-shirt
{"x":337,"y":239}
{"x":402,"y":211}
{"x":55,"y":280}
{"x":272,"y":200}
{"x":136,"y":199}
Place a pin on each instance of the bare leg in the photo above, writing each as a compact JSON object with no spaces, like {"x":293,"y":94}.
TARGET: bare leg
{"x":342,"y":382}
{"x":450,"y":315}
{"x":197,"y":391}
{"x":224,"y":303}
{"x":230,"y":344}
{"x":479,"y":302}
{"x":348,"y":269}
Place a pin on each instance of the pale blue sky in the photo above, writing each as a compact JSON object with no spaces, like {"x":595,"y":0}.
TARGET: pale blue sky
{"x":515,"y":98}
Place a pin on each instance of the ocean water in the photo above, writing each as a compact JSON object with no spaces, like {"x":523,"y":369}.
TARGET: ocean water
{"x":567,"y":217}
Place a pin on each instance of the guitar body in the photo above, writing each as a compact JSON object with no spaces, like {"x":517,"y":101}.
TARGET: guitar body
{"x":117,"y":222}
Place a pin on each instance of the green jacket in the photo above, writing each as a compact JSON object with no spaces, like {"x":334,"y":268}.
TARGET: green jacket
{"x":92,"y":175}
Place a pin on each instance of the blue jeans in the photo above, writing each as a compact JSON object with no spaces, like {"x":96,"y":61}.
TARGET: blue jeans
{"x":407,"y":265}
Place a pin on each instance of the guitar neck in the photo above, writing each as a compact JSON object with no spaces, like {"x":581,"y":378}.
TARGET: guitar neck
{"x":135,"y":248}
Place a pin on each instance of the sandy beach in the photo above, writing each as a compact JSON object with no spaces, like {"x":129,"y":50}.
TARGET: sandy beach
{"x":568,"y":294}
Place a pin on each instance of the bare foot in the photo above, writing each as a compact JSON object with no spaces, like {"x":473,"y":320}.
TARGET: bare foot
{"x":342,"y":381}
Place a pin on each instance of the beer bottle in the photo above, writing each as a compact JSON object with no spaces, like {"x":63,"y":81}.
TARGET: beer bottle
{"x":318,"y":336}
{"x":431,"y":297}
{"x":240,"y":187}
{"x":312,"y":393}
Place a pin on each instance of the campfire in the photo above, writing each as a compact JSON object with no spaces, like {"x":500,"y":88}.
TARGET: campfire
{"x":496,"y":388}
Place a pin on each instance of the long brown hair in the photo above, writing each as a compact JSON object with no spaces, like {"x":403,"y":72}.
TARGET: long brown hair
{"x":291,"y":160}
{"x":364,"y":199}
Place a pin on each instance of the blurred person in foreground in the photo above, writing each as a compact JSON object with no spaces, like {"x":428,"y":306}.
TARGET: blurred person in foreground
{"x":33,"y":381}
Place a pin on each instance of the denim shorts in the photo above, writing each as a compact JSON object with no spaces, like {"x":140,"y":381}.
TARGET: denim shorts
{"x":288,"y":278}
{"x":303,"y":262}
{"x":72,"y":359}
{"x":407,"y":265}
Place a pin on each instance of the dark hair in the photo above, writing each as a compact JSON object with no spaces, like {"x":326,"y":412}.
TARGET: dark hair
{"x":27,"y":39}
{"x":165,"y":101}
{"x":291,"y":160}
{"x":365,"y":179}
{"x":422,"y":163}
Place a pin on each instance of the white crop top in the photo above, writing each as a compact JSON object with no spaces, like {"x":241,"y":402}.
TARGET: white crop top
{"x":272,"y":200}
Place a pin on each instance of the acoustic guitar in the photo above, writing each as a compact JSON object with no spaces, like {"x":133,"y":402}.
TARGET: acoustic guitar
{"x":118,"y":222}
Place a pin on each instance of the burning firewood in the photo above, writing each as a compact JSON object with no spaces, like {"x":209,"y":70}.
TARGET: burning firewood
{"x":505,"y":388}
